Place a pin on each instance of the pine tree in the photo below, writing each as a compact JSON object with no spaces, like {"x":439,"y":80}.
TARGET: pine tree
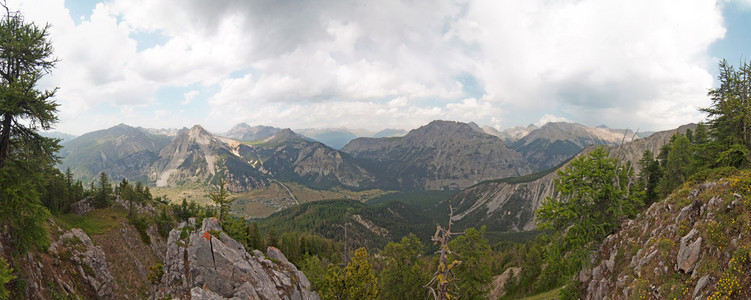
{"x":473,"y":274}
{"x":403,"y":276}
{"x":649,"y":177}
{"x":360,"y":280}
{"x":255,"y":241}
{"x":730,"y":114}
{"x":221,"y":199}
{"x":104,"y":191}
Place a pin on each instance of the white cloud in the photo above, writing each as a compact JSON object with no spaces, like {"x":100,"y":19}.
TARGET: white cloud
{"x":394,"y":63}
{"x":187,"y":97}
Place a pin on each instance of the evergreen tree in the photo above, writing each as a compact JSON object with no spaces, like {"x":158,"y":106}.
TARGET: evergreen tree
{"x":677,"y":166}
{"x":333,"y":286}
{"x":589,"y":204}
{"x":730,"y":114}
{"x":360,"y":280}
{"x":255,"y":240}
{"x":403,"y":276}
{"x":473,"y":274}
{"x":272,"y":240}
{"x":649,"y":177}
{"x":25,"y":57}
{"x":25,"y":156}
{"x":103,"y":192}
{"x":221,"y":199}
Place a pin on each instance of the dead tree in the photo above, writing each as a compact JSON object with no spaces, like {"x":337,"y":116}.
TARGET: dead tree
{"x":443,"y":277}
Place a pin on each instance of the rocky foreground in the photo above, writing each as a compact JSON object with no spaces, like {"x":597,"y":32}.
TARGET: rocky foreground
{"x":205,"y":263}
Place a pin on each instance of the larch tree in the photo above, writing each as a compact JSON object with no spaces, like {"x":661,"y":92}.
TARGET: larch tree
{"x":25,"y":156}
{"x":25,"y":57}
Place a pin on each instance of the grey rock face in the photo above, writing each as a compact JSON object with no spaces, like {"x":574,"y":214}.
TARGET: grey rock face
{"x":203,"y":266}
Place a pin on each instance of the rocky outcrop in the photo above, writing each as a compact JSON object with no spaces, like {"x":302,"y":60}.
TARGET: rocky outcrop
{"x":82,"y":207}
{"x":90,"y":261}
{"x":204,"y":263}
{"x":687,"y":246}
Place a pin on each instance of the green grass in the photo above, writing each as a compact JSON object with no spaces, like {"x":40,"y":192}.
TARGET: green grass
{"x":94,"y":222}
{"x":552,"y":294}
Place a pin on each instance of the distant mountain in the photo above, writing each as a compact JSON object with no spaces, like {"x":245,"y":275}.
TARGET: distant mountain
{"x":333,"y":137}
{"x":510,"y":135}
{"x":389,"y":133}
{"x":171,"y":132}
{"x":64,"y":137}
{"x":556,"y":142}
{"x":121,"y":151}
{"x":289,"y":156}
{"x":443,"y":155}
{"x":245,"y":132}
{"x":200,"y":157}
{"x":508,"y":204}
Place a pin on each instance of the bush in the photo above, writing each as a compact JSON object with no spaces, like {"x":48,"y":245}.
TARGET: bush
{"x":141,"y":225}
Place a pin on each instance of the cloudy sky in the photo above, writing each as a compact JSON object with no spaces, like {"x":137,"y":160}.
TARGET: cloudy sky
{"x":643,"y":64}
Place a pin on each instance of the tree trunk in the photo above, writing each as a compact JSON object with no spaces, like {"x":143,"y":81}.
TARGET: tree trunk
{"x":5,"y":140}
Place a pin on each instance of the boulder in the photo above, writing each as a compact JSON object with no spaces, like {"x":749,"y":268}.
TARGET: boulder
{"x":688,"y":254}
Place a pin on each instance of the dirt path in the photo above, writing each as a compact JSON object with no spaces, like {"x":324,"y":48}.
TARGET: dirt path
{"x":288,"y":191}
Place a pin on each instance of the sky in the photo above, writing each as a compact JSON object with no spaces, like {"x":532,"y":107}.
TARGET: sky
{"x":639,"y":64}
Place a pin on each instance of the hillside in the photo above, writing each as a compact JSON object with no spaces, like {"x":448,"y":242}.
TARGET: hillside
{"x":693,"y":244}
{"x":508,"y":204}
{"x":121,"y":151}
{"x":442,"y":155}
{"x":288,"y":156}
{"x":556,"y":142}
{"x":367,"y":226}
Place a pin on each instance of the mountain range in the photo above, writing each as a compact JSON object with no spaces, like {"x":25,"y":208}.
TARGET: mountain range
{"x":441,"y":155}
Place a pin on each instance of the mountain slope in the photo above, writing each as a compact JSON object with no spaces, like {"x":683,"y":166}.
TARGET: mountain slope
{"x":121,"y":151}
{"x":556,"y":142}
{"x":198,"y":156}
{"x":441,"y":155}
{"x":692,"y":245}
{"x":508,"y":204}
{"x":288,"y":156}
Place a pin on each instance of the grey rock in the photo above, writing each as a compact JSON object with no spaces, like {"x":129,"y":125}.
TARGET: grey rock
{"x":207,"y":267}
{"x":82,"y":207}
{"x":688,"y":254}
{"x":700,"y":285}
{"x":84,"y":252}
